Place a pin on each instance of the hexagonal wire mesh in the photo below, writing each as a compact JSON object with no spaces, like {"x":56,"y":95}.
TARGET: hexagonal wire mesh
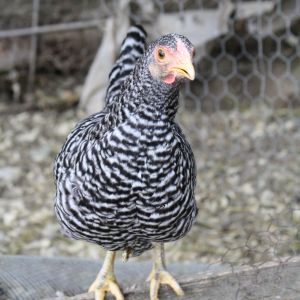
{"x":247,"y":143}
{"x":241,"y":116}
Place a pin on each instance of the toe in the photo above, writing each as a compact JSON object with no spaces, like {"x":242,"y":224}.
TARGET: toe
{"x":94,"y":286}
{"x":100,"y":294}
{"x":154,"y":287}
{"x":167,"y":278}
{"x":115,"y":290}
{"x":163,"y":277}
{"x":108,"y":285}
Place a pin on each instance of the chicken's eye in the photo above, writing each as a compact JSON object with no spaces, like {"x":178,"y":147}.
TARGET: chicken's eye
{"x":161,"y":54}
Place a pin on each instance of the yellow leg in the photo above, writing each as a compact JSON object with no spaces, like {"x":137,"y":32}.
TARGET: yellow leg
{"x":159,"y":275}
{"x":106,"y":280}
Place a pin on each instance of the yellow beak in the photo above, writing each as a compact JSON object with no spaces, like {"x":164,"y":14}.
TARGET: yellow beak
{"x":185,"y":69}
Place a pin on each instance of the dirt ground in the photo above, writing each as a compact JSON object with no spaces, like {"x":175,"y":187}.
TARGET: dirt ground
{"x":248,"y":189}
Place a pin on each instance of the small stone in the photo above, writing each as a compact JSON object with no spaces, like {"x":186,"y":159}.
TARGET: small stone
{"x":10,"y":217}
{"x":10,"y":173}
{"x":59,"y":294}
{"x":233,"y":179}
{"x":223,"y":202}
{"x":29,"y":136}
{"x":296,"y":215}
{"x":290,"y":125}
{"x":247,"y":189}
{"x":50,"y":230}
{"x":40,"y":154}
{"x":259,"y":130}
{"x":40,"y":244}
{"x":262,"y":162}
{"x":40,"y":216}
{"x":267,"y":197}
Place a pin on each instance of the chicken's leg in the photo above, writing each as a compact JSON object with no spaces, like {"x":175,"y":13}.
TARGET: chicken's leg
{"x":159,"y":275}
{"x":106,"y":280}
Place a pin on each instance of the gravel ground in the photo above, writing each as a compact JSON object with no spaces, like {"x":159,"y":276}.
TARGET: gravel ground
{"x":248,"y":187}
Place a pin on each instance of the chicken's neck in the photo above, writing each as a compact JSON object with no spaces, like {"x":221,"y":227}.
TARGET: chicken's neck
{"x":143,"y":95}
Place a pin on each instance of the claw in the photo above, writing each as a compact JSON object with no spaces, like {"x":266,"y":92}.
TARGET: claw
{"x":106,"y":280}
{"x":102,"y":285}
{"x":162,"y":277}
{"x":159,"y":275}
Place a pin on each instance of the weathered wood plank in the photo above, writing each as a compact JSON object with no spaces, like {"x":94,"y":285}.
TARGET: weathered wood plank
{"x":276,"y":280}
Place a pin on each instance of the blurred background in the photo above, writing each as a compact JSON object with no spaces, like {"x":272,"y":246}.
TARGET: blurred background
{"x":241,"y":116}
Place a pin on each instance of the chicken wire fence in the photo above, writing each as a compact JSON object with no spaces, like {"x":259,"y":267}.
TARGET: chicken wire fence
{"x":241,"y":114}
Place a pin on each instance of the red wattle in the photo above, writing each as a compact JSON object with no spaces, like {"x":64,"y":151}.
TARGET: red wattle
{"x":170,"y":78}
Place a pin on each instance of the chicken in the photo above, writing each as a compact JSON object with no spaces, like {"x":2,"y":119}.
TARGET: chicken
{"x":125,"y":176}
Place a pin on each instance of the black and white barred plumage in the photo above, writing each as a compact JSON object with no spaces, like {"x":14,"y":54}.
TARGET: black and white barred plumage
{"x":125,"y":177}
{"x":132,"y":48}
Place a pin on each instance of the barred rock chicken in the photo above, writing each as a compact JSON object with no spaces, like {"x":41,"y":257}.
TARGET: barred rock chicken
{"x":125,"y":176}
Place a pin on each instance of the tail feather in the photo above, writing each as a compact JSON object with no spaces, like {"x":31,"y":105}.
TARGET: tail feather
{"x":133,"y":47}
